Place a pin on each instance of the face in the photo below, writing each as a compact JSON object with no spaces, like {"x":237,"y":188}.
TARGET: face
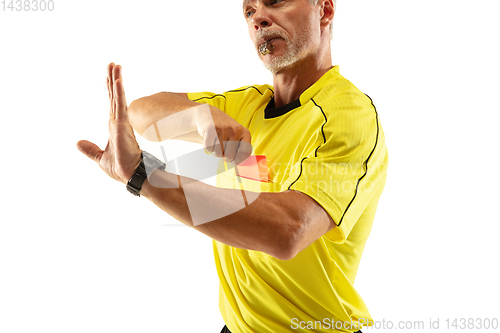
{"x":290,"y":29}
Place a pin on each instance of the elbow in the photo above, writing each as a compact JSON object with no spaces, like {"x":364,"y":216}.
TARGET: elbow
{"x":137,"y":114}
{"x":139,"y":111}
{"x":289,"y":246}
{"x":287,"y":252}
{"x":284,"y":255}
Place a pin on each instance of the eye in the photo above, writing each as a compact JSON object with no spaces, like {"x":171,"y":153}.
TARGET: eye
{"x":249,"y":13}
{"x":276,"y":1}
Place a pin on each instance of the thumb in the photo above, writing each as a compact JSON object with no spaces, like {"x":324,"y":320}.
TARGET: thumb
{"x":90,"y":150}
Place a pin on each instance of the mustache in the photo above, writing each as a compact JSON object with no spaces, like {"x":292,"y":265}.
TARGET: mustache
{"x":267,"y":35}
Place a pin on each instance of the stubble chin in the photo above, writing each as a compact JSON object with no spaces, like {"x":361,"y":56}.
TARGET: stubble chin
{"x":292,"y":55}
{"x":278,"y":64}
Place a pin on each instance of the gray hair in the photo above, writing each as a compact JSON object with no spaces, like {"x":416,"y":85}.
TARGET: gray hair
{"x":315,"y":2}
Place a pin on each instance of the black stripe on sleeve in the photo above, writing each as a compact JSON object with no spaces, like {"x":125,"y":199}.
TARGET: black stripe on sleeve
{"x":322,"y":127}
{"x":365,"y":163}
{"x":316,"y":151}
{"x":237,"y":90}
{"x":300,"y":174}
{"x":196,"y":100}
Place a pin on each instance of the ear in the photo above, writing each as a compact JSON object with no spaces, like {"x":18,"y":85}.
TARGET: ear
{"x":327,"y":13}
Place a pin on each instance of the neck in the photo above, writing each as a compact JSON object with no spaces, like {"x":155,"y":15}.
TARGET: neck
{"x":291,"y":82}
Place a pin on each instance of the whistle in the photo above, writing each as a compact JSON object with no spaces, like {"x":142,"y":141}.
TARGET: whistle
{"x":266,"y":48}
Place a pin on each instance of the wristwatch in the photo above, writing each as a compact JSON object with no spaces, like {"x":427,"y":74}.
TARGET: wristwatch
{"x":149,"y":163}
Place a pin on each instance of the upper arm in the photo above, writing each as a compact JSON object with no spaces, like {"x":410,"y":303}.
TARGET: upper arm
{"x":310,"y":220}
{"x":184,"y":95}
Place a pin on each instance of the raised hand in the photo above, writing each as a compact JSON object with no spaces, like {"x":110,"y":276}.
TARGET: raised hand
{"x":122,"y":154}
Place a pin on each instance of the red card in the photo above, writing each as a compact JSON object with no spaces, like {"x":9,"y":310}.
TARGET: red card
{"x":255,"y":168}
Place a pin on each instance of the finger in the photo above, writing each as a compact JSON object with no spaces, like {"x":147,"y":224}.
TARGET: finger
{"x":117,"y":73}
{"x":243,"y":153}
{"x":109,"y":82}
{"x":244,"y":149}
{"x":230,"y":149}
{"x":218,"y":148}
{"x":111,"y":102}
{"x":120,"y":101}
{"x":209,"y":140}
{"x":90,"y":150}
{"x":117,"y":70}
{"x":111,"y":66}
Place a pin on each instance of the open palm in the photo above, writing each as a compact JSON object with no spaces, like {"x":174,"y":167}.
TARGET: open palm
{"x":122,"y":154}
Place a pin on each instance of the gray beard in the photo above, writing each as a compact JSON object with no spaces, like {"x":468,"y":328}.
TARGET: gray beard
{"x":292,"y":55}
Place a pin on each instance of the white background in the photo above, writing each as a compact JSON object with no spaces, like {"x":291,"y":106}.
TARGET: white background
{"x":78,"y":253}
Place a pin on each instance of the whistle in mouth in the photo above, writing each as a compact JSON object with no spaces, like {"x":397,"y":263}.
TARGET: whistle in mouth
{"x":266,"y":48}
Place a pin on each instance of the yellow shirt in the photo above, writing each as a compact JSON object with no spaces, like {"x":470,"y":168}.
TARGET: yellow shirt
{"x":329,"y":145}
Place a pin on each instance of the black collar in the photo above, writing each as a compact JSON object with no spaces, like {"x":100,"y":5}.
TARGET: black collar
{"x":272,"y":112}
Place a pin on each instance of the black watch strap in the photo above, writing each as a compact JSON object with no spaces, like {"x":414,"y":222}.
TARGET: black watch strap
{"x":149,"y":163}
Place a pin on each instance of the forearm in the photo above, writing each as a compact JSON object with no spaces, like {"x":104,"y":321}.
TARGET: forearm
{"x":145,"y":112}
{"x":264,"y":225}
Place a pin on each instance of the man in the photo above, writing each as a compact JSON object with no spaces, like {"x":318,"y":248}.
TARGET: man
{"x":287,"y":260}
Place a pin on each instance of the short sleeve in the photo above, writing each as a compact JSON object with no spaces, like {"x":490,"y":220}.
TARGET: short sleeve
{"x":217,"y":100}
{"x":346,"y":171}
{"x":240,"y":104}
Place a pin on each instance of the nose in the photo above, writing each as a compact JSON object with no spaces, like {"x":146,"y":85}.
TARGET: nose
{"x":261,"y":18}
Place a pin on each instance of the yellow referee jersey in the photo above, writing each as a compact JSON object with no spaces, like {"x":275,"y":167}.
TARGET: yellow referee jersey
{"x":328,"y":144}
